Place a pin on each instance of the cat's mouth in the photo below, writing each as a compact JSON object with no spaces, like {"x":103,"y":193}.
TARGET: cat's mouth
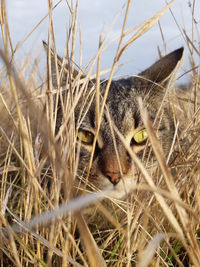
{"x":121,"y":188}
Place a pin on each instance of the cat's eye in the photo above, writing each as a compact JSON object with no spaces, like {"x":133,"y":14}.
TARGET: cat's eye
{"x":86,"y":137}
{"x":141,"y":136}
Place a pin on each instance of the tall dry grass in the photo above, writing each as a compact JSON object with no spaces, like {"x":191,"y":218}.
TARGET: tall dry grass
{"x":41,"y":222}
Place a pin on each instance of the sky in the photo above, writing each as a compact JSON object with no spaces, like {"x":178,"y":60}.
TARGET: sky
{"x":96,"y":17}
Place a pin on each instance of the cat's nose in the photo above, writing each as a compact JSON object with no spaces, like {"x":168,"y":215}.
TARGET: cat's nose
{"x":109,"y":166}
{"x":114,"y":177}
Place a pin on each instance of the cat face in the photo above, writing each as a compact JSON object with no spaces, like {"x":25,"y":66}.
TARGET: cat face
{"x":122,"y":110}
{"x":111,"y":163}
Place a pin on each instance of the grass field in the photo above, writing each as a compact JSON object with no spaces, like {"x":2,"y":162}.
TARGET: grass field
{"x":41,"y":223}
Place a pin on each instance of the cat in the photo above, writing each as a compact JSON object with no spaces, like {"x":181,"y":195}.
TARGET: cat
{"x":123,"y":110}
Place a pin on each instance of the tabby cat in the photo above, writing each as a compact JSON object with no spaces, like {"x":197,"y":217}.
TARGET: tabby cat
{"x":123,"y":110}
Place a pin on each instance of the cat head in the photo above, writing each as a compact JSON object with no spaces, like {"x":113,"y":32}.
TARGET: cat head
{"x":111,"y":162}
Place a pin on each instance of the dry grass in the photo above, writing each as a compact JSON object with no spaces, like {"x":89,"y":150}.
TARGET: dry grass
{"x":39,"y":217}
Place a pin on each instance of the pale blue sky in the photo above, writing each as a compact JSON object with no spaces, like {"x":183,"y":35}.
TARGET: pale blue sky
{"x":97,"y":16}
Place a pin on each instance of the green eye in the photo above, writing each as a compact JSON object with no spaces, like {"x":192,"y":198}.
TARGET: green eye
{"x":85,"y":136}
{"x":140,"y":136}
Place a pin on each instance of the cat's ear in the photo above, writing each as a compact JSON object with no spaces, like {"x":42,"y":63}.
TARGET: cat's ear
{"x":161,"y":70}
{"x":59,"y":64}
